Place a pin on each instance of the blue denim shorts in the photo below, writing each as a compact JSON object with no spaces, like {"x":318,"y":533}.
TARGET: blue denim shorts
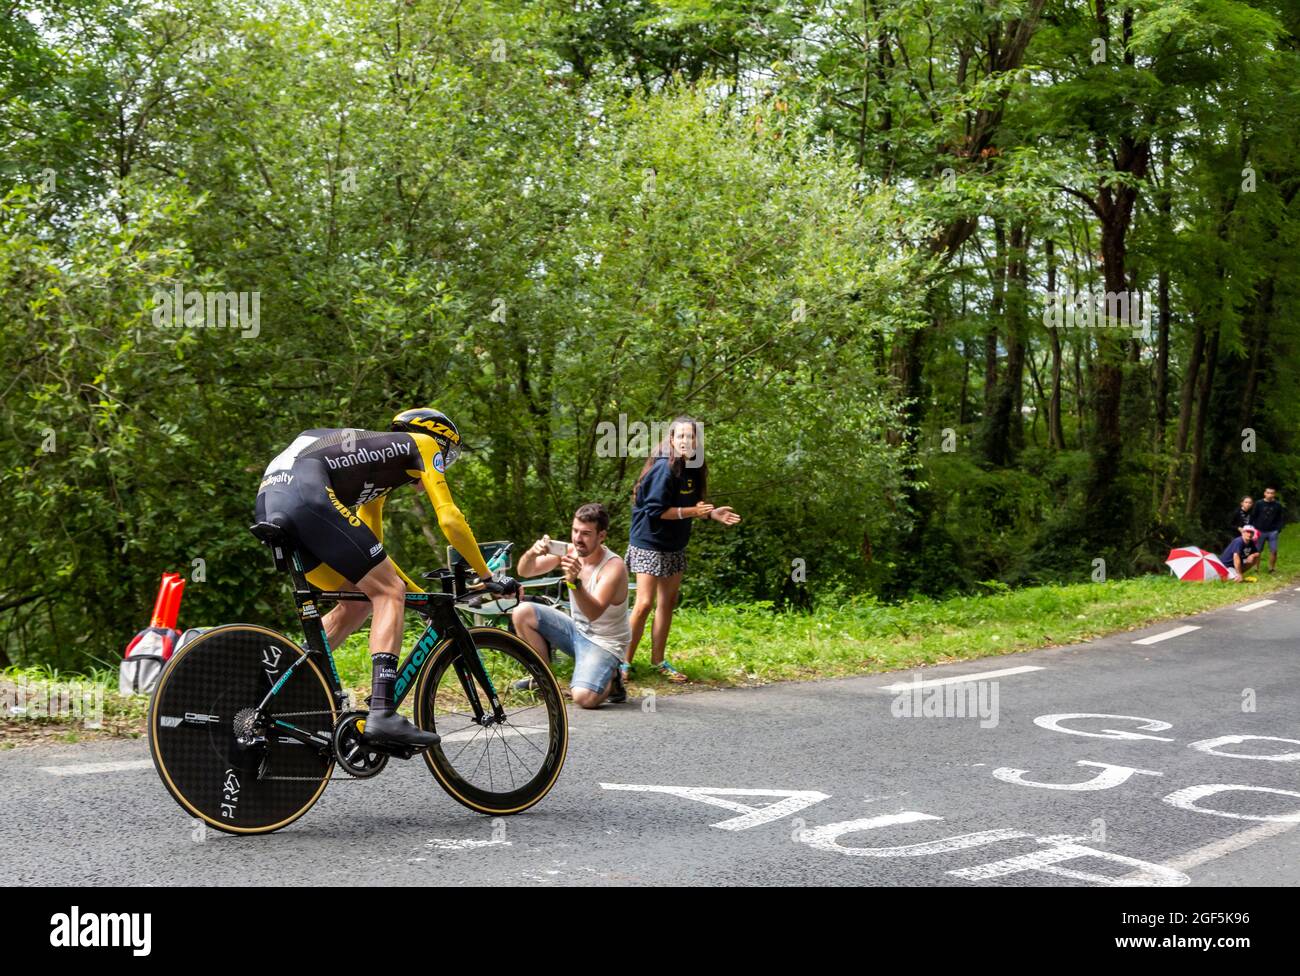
{"x":1269,"y":538}
{"x":593,"y":666}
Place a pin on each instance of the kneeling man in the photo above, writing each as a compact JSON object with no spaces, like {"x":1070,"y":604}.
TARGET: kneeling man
{"x":597,"y":634}
{"x":1242,"y":554}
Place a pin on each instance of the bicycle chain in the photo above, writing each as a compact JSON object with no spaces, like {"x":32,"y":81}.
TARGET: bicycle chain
{"x":296,"y":714}
{"x":301,"y":779}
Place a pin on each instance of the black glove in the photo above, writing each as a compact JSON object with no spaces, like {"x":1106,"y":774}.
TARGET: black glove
{"x":505,"y":585}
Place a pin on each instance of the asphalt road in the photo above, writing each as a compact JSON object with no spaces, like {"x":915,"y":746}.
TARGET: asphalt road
{"x":820,"y":783}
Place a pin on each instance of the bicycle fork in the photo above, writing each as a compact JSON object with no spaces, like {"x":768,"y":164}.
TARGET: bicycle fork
{"x":471,"y":673}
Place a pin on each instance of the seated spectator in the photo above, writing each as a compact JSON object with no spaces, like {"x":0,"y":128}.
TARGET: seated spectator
{"x":597,"y":634}
{"x":1242,"y":554}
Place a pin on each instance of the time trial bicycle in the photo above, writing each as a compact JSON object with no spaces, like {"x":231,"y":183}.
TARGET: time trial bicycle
{"x":246,"y":727}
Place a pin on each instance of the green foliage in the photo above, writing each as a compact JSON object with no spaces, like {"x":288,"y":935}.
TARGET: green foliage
{"x":423,"y":221}
{"x":797,"y":222}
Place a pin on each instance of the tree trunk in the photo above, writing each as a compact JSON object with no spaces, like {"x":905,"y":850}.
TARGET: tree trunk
{"x":1202,"y":412}
{"x":1108,"y":503}
{"x":1263,"y":315}
{"x":1003,"y":432}
{"x":1055,"y":432}
{"x":1017,"y":308}
{"x":1186,"y":395}
{"x":1104,"y":501}
{"x":1162,"y":298}
{"x":967,"y":354}
{"x":1005,"y":54}
{"x":988,"y":435}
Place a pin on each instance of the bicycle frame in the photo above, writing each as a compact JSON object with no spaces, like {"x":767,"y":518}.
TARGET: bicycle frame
{"x":439,"y":613}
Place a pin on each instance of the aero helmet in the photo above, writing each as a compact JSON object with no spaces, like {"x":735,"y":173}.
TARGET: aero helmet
{"x":435,"y":423}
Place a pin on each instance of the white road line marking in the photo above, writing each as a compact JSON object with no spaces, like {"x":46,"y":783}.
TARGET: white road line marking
{"x":1220,"y":848}
{"x":1176,"y":632}
{"x":980,"y":676}
{"x":465,"y":735}
{"x":81,"y":769}
{"x":1255,"y":606}
{"x":1228,"y":845}
{"x":452,"y":844}
{"x":790,"y":801}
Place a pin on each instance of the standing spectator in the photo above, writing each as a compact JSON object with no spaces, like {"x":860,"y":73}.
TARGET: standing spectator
{"x":1268,"y":517}
{"x":1243,"y":514}
{"x":668,"y":495}
{"x":1242,"y":554}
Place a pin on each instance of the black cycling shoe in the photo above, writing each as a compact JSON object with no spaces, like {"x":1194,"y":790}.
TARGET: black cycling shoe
{"x":389,"y":727}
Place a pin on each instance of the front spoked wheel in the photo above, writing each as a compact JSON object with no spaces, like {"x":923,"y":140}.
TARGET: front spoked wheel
{"x":497,"y":768}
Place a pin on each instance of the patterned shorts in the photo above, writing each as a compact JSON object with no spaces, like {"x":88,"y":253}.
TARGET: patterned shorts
{"x":654,"y":562}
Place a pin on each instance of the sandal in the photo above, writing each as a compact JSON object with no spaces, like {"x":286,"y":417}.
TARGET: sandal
{"x":670,"y":672}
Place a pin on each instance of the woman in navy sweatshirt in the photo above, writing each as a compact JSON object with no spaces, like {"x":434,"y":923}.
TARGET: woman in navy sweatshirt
{"x":669,"y":495}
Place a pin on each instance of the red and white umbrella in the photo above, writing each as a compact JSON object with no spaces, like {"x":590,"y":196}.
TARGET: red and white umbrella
{"x":1191,"y":563}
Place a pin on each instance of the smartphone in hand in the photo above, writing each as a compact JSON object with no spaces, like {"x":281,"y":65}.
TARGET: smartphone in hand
{"x":557,"y":548}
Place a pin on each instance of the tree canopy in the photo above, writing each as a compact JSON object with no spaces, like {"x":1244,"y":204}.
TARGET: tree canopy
{"x":831,"y":232}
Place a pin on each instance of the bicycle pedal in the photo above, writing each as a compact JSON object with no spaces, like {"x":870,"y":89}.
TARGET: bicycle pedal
{"x":396,"y":750}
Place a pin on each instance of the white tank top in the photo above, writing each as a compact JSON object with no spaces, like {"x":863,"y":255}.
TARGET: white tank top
{"x":611,"y":630}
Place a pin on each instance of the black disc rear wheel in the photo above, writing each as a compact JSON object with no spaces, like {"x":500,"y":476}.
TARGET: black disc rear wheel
{"x":206,"y":698}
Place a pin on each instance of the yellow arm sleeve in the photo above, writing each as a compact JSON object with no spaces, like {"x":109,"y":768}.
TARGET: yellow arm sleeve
{"x":372,"y":514}
{"x":450,"y":519}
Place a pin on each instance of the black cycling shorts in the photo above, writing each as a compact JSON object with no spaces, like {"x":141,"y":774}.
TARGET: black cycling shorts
{"x":326,"y":530}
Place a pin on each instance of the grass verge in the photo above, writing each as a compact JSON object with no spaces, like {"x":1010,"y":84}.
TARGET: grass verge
{"x":749,"y":645}
{"x":736,"y":645}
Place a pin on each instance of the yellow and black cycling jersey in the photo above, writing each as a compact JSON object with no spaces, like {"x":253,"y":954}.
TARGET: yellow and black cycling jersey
{"x":330,"y":485}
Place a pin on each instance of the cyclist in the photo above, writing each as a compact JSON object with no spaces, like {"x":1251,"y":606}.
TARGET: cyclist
{"x":328,"y":489}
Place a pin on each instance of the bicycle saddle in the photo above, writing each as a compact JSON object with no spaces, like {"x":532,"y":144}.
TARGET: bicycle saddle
{"x":272,"y":532}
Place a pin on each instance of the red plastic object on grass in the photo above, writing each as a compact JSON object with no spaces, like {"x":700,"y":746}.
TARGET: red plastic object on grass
{"x":167,"y":607}
{"x":150,"y":649}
